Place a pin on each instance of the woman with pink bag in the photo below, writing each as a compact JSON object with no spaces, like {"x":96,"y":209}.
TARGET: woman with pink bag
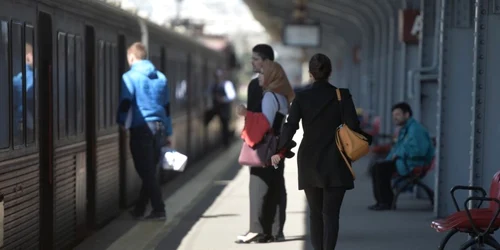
{"x":260,"y":134}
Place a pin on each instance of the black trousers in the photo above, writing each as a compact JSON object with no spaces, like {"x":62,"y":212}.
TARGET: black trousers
{"x":145,"y":145}
{"x":224,"y":114}
{"x":275,"y":201}
{"x":226,"y":134}
{"x":324,"y":206}
{"x":382,"y":173}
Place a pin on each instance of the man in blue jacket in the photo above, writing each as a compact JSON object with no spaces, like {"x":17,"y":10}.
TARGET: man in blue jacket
{"x":19,"y":123}
{"x":144,"y":102}
{"x":413,"y":149}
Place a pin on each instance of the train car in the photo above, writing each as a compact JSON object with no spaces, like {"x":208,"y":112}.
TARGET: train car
{"x":65,"y":166}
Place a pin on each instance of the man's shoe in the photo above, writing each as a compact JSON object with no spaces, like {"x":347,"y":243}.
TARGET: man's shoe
{"x":280,"y":237}
{"x":135,"y":214}
{"x":265,"y":238}
{"x":373,"y":207}
{"x":381,"y":207}
{"x":157,"y":216}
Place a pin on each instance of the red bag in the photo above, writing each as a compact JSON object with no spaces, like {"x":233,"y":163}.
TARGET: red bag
{"x":260,"y":154}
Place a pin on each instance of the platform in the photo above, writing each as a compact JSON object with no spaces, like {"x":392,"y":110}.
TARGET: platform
{"x":209,"y":211}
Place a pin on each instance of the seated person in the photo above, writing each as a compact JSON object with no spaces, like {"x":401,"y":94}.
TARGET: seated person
{"x":412,"y":149}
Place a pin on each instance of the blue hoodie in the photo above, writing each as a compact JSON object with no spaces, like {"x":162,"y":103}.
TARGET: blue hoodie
{"x":414,"y":148}
{"x":145,"y":91}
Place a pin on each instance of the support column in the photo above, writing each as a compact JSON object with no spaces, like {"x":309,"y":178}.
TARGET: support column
{"x":454,"y":99}
{"x":425,"y":98}
{"x":486,"y":136}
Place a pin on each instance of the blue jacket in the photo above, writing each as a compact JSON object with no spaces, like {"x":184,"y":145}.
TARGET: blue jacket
{"x":144,"y":90}
{"x":414,"y":148}
{"x":18,"y":98}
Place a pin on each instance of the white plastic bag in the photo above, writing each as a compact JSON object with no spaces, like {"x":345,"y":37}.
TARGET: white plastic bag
{"x":173,"y":160}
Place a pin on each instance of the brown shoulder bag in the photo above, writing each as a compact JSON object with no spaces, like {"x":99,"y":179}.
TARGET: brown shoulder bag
{"x":352,"y":145}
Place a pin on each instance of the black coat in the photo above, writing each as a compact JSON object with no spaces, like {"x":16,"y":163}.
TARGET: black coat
{"x":319,"y":161}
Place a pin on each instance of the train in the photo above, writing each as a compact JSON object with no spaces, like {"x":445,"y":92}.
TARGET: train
{"x":65,"y":166}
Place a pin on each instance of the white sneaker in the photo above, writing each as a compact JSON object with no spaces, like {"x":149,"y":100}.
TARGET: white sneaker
{"x":247,"y":237}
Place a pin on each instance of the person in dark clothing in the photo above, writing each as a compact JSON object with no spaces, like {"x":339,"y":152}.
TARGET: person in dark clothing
{"x":223,"y":94}
{"x":265,"y":183}
{"x":322,"y":172}
{"x":144,"y":96}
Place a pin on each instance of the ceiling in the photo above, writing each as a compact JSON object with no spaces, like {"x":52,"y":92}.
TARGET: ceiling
{"x":345,"y":24}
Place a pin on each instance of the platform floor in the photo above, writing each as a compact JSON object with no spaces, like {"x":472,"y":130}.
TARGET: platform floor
{"x":209,"y":212}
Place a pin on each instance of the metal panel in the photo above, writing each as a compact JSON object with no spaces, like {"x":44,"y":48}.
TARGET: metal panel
{"x":81,"y":193}
{"x":487,"y":133}
{"x":482,"y":47}
{"x":68,"y":210}
{"x":19,"y":163}
{"x":19,"y":183}
{"x":495,"y":7}
{"x":454,"y":111}
{"x":462,"y":13}
{"x":107,"y":178}
{"x":106,"y":166}
{"x":132,"y":180}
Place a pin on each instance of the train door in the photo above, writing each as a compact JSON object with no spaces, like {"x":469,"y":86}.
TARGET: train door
{"x":130,"y":183}
{"x":19,"y":155}
{"x":206,"y":103}
{"x":104,"y":180}
{"x":69,"y":158}
{"x":196,"y":113}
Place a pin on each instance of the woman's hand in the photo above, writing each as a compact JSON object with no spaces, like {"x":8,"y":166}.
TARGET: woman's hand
{"x":275,"y":159}
{"x":241,"y":110}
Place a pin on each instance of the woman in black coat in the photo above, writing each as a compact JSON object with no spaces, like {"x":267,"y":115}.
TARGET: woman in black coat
{"x":323,"y":174}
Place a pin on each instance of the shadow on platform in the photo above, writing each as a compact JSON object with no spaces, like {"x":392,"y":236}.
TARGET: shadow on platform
{"x":175,"y":236}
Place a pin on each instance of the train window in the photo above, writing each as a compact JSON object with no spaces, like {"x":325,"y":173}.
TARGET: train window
{"x":4,"y":85}
{"x":70,"y":85}
{"x":100,"y":85}
{"x":109,"y":93}
{"x":30,"y":85}
{"x":61,"y":85}
{"x":80,"y":94}
{"x":115,"y":83}
{"x":171,"y":78}
{"x":18,"y":83}
{"x":108,"y":84}
{"x":155,"y":59}
{"x":181,"y":86}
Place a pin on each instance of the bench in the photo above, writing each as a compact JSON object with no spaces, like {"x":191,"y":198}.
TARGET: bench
{"x":479,"y":223}
{"x":402,"y":183}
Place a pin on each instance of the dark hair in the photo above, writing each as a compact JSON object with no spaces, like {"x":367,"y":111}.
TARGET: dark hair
{"x":265,"y":51}
{"x":320,"y":67}
{"x":405,"y":107}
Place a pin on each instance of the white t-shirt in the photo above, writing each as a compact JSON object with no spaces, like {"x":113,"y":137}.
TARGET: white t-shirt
{"x":270,"y":106}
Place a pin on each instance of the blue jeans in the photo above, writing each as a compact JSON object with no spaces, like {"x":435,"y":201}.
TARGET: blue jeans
{"x":146,"y":142}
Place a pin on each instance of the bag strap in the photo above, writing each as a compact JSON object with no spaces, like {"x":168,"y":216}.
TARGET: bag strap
{"x":339,"y":95}
{"x":339,"y":146}
{"x":337,"y":138}
{"x":339,"y":98}
{"x":277,"y":101}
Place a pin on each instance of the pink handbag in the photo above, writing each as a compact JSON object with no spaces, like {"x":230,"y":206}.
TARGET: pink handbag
{"x":260,"y":155}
